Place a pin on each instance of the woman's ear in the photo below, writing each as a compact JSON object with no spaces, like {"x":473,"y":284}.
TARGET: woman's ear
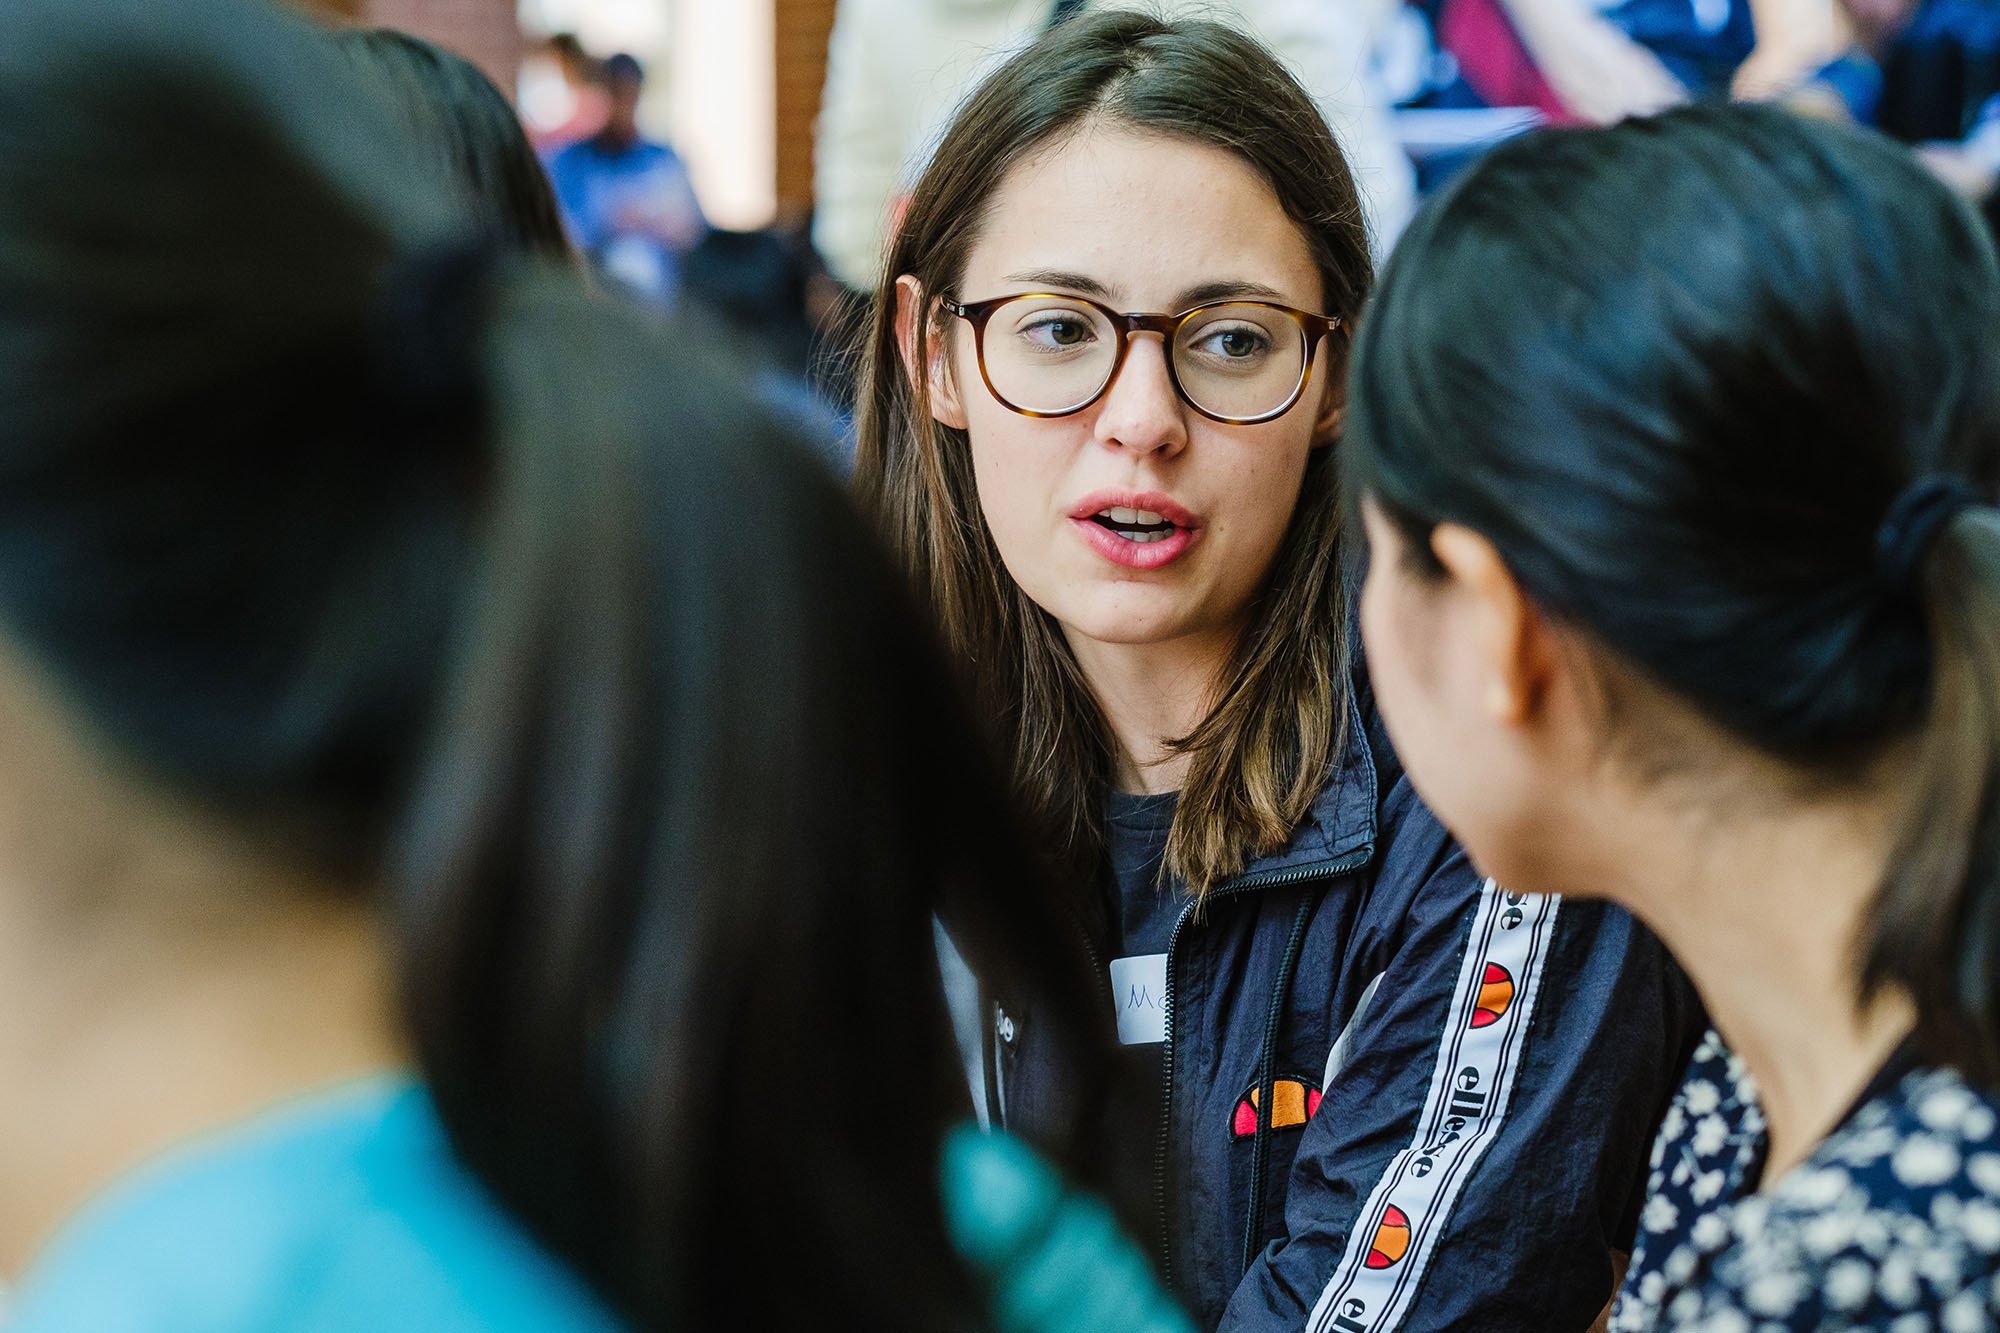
{"x":911,"y":308}
{"x":1332,"y":414}
{"x":1513,"y":646}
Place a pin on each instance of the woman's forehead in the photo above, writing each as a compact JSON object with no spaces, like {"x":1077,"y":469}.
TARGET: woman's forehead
{"x":1145,"y":220}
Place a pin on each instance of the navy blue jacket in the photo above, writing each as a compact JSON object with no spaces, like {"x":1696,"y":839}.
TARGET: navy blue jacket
{"x":1463,"y":1084}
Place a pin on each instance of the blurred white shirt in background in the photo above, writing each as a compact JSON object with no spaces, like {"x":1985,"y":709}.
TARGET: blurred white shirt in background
{"x":898,"y":69}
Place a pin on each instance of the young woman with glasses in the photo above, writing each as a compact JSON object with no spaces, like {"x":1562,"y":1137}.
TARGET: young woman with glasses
{"x":1098,"y":425}
{"x":1686,"y":593}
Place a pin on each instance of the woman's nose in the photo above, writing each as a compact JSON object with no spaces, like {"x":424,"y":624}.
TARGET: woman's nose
{"x":1140,"y":410}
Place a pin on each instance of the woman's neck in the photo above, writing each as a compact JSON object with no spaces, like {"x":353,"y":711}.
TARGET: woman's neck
{"x":116,"y":1050}
{"x":1762,"y":901}
{"x":1152,"y":694}
{"x":157,"y":979}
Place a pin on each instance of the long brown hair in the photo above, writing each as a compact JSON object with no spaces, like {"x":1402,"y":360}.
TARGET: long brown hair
{"x":1269,"y":743}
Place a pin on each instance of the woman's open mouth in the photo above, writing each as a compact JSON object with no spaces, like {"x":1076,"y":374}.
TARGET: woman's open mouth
{"x":1140,"y":530}
{"x":1135,"y":525}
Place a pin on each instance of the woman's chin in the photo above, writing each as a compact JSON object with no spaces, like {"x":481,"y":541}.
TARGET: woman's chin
{"x":1135,"y":627}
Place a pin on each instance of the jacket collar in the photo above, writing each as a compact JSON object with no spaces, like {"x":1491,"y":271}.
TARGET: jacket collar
{"x":1339,"y":830}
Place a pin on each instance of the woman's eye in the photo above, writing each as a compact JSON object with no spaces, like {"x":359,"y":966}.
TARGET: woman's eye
{"x":1058,"y":332}
{"x":1235,"y":344}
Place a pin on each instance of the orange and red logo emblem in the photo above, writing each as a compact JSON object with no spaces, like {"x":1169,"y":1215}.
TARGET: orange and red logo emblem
{"x":1293,"y":1101}
{"x":1496,"y":996}
{"x":1392,"y":1239}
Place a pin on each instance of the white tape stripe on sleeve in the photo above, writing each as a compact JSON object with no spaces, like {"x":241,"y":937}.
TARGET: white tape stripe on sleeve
{"x":1479,"y":1054}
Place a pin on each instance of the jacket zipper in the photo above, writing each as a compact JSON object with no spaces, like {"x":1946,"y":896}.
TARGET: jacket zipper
{"x":1268,"y":879}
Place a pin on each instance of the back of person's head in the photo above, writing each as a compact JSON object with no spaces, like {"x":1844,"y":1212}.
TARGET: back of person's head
{"x":457,"y":117}
{"x":623,"y":70}
{"x":236,"y":561}
{"x":1704,"y":381}
{"x":395,"y":554}
{"x":1266,"y":751}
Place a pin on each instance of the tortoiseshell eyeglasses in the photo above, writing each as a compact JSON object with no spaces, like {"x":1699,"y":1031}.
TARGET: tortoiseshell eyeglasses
{"x":1236,"y":362}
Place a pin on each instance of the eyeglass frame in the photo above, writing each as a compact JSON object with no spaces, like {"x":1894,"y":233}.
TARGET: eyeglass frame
{"x":1312,"y":327}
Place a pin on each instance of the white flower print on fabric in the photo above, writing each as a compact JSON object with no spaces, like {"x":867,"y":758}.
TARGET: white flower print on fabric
{"x":1774,"y":1294}
{"x":1830,"y":1233}
{"x":1896,"y":1283}
{"x":1847,"y":1285}
{"x":1964,"y":1313}
{"x":1660,"y":1214}
{"x":1710,"y":1133}
{"x":1980,"y":1223}
{"x":1946,"y":1109}
{"x":1892,"y":1223}
{"x":1925,"y":1160}
{"x":1818,"y":1189}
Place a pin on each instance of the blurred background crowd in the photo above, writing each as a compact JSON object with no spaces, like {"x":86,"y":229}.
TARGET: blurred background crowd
{"x":750,"y":156}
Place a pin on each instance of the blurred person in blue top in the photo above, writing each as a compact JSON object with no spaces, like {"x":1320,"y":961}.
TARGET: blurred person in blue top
{"x":629,"y":203}
{"x":454,"y":874}
{"x":1684,"y":592}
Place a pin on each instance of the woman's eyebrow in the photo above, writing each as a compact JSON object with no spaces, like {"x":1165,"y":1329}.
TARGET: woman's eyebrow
{"x":1059,"y":280}
{"x":1227,"y":290}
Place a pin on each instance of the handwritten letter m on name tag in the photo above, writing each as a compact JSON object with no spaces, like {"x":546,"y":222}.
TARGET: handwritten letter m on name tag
{"x":1139,"y":987}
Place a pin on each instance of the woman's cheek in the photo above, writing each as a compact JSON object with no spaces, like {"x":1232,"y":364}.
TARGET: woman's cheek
{"x":1006,"y":495}
{"x":1385,"y":629}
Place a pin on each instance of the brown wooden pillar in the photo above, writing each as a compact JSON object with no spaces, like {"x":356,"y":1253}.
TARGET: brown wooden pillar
{"x":803,"y":27}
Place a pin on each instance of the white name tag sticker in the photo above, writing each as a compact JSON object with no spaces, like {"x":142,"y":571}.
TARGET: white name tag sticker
{"x":1139,"y":988}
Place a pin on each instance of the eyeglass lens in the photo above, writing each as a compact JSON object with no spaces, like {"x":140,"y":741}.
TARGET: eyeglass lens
{"x":1048,"y":354}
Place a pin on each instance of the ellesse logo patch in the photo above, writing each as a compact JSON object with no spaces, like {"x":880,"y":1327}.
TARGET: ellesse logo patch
{"x":1392,"y":1239}
{"x":1496,"y":996}
{"x":1293,"y":1101}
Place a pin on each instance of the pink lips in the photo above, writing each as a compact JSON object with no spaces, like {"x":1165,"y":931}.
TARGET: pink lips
{"x":1123,"y":550}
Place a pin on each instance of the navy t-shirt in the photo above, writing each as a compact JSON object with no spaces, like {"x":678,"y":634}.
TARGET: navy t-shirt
{"x":1135,"y":844}
{"x":1145,"y":905}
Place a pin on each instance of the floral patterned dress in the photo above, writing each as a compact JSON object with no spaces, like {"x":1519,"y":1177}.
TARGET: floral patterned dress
{"x":1892,"y":1223}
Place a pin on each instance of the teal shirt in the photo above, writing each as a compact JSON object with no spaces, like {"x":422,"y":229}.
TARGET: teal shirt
{"x":342,"y":1211}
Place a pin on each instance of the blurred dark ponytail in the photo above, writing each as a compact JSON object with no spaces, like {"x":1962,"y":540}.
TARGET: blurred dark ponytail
{"x":1680,"y":372}
{"x":418,"y":563}
{"x":1944,"y":947}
